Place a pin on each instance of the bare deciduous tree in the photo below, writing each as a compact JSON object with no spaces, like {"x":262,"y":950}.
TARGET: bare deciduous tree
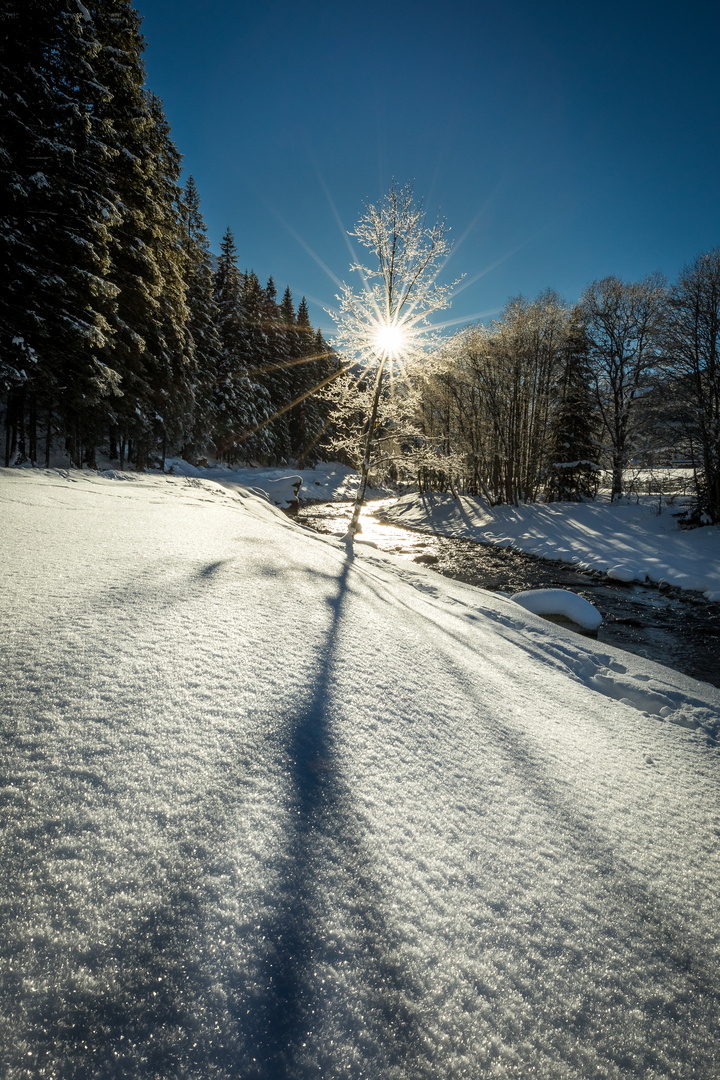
{"x":693,"y":343}
{"x":624,"y":325}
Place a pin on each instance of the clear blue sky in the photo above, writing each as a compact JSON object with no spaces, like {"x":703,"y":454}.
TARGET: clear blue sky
{"x":562,"y":141}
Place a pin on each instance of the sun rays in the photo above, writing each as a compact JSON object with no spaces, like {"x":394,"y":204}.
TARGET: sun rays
{"x":386,"y":327}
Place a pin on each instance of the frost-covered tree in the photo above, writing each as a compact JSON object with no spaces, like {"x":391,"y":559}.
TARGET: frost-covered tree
{"x":382,"y":327}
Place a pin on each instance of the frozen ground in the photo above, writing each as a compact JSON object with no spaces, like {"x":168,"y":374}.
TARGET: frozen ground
{"x":272,"y":813}
{"x":628,"y":541}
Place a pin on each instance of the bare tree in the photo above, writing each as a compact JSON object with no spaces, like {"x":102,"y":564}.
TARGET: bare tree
{"x":382,"y":328}
{"x":624,"y":325}
{"x":493,"y":401}
{"x":693,"y":342}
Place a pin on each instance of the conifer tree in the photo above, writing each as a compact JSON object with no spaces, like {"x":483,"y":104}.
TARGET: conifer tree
{"x":202,"y":327}
{"x":257,"y":409}
{"x":149,"y":347}
{"x":303,"y":381}
{"x":277,"y":376}
{"x":56,"y":303}
{"x":242,"y":404}
{"x":573,"y":472}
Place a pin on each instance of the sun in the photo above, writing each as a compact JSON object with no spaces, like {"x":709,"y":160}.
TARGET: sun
{"x":389,"y":340}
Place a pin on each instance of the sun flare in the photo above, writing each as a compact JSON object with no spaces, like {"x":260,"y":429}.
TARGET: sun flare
{"x":390,"y":340}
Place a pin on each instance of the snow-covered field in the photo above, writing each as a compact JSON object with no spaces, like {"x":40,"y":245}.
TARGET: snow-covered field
{"x":628,"y":541}
{"x":270,"y":812}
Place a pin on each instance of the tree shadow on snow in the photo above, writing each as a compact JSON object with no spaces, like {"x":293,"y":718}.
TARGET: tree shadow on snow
{"x":669,"y":981}
{"x":311,"y":980}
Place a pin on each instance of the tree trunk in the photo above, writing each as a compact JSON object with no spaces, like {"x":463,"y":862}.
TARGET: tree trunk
{"x":9,"y":427}
{"x":32,"y":428}
{"x":48,"y":435}
{"x":22,"y":453}
{"x":365,"y":466}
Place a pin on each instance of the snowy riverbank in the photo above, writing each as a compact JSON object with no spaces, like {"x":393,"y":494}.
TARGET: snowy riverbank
{"x":327,"y":482}
{"x":628,"y":541}
{"x":272,"y":813}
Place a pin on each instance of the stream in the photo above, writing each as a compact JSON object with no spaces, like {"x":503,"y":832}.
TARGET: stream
{"x":674,"y":627}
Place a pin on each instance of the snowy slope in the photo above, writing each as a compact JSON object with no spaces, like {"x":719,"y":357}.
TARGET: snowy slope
{"x":325,"y":482}
{"x":628,"y":541}
{"x":270,"y":813}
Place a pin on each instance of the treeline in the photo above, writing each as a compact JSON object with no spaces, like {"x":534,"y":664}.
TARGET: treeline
{"x":118,"y":329}
{"x":539,"y":402}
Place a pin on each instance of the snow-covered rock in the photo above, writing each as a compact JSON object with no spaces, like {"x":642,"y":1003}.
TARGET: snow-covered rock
{"x":561,"y":602}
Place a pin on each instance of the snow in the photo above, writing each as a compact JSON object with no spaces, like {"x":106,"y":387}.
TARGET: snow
{"x":271,"y":812}
{"x":326,"y":482}
{"x":560,"y":602}
{"x":628,"y":541}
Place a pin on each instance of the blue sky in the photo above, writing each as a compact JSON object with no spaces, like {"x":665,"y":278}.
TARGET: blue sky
{"x":561,"y":141}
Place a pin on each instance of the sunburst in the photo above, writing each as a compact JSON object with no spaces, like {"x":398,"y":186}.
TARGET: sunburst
{"x":390,"y":340}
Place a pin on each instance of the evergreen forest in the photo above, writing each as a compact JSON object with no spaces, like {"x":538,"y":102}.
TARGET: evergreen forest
{"x":118,"y":328}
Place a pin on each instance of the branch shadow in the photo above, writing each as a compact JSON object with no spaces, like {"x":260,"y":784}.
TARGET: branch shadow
{"x":149,"y":999}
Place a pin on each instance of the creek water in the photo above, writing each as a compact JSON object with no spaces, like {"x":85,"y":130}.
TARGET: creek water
{"x":674,"y":627}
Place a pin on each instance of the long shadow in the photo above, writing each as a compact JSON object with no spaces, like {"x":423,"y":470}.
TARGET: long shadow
{"x":324,"y":820}
{"x":662,"y":945}
{"x":146,"y":1007}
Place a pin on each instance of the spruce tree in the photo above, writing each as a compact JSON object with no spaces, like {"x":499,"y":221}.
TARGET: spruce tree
{"x":242,"y":403}
{"x":257,"y":440}
{"x":276,"y":377}
{"x":202,"y":328}
{"x":573,"y":472}
{"x":56,"y":154}
{"x":150,"y":351}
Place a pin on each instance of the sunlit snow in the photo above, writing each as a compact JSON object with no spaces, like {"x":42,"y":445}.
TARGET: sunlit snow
{"x":272,"y":813}
{"x":560,"y":602}
{"x":628,"y":541}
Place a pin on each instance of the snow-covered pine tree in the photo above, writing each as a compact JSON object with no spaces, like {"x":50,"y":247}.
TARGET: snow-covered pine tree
{"x":573,"y":472}
{"x":170,"y":345}
{"x":255,"y":429}
{"x":303,"y":380}
{"x":319,"y":371}
{"x":242,"y":403}
{"x":276,"y":375}
{"x":202,"y":327}
{"x":56,"y":304}
{"x":149,"y":347}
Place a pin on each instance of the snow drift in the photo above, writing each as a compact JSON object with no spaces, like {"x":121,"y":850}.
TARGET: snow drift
{"x":270,"y":813}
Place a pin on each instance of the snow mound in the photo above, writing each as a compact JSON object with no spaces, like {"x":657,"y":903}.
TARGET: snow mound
{"x":560,"y":602}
